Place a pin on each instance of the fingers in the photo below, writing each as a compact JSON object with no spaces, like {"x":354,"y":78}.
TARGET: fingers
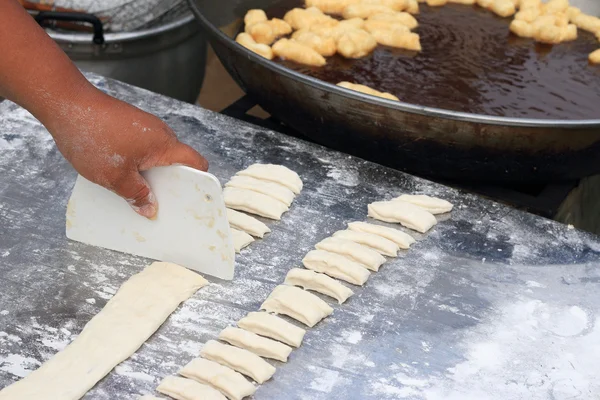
{"x":134,"y":188}
{"x":185,"y":155}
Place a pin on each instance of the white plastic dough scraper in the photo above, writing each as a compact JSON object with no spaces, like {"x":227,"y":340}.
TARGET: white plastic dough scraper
{"x":191,"y":228}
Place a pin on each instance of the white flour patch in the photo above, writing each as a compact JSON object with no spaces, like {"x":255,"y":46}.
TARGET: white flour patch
{"x":534,"y":284}
{"x":55,"y":344}
{"x":345,"y":177}
{"x":9,"y":337}
{"x":325,"y":381}
{"x":352,"y":336}
{"x":4,"y":312}
{"x":18,"y":365}
{"x":90,"y":300}
{"x":126,"y":370}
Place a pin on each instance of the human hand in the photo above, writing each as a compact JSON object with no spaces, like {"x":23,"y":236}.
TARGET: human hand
{"x":109,"y":142}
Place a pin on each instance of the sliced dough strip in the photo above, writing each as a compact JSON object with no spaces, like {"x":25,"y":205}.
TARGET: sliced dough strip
{"x":432,"y":204}
{"x":243,"y":361}
{"x":403,"y":240}
{"x":407,"y":214}
{"x":240,"y":239}
{"x":273,"y":189}
{"x":246,"y":223}
{"x":258,"y":345}
{"x":275,"y":173}
{"x":298,"y":304}
{"x":272,"y":326}
{"x":336,"y":266}
{"x":254,"y":203}
{"x":355,"y":251}
{"x":187,"y":389}
{"x":232,"y":384}
{"x":378,"y":243}
{"x":311,"y":280}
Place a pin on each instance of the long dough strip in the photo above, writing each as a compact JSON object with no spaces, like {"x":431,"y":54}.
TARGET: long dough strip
{"x":134,"y":313}
{"x":275,"y":173}
{"x":246,"y":223}
{"x":336,"y":266}
{"x":272,"y":326}
{"x":275,"y":190}
{"x":260,"y":346}
{"x":232,"y":384}
{"x":432,"y":204}
{"x":298,"y":304}
{"x":240,"y":239}
{"x":241,"y":360}
{"x":187,"y":389}
{"x":403,"y":240}
{"x":378,"y":243}
{"x":355,"y":251}
{"x":254,"y":203}
{"x":311,"y":280}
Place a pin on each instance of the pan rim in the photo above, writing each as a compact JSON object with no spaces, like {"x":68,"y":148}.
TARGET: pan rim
{"x":395,"y":105}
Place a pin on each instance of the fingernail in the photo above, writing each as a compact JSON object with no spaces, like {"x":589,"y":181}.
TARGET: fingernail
{"x":149,"y":211}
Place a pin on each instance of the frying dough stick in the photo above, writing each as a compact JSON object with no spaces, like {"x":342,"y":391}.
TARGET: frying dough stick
{"x":396,"y":5}
{"x":260,"y":346}
{"x":401,"y":17}
{"x":274,"y":173}
{"x":325,"y":46}
{"x":432,"y":204}
{"x":267,"y":32}
{"x":311,"y":280}
{"x":367,"y":90}
{"x":273,"y":189}
{"x":254,"y":203}
{"x":134,"y":313}
{"x":187,"y":389}
{"x":330,"y":6}
{"x":297,"y":304}
{"x":354,"y":251}
{"x":246,"y":223}
{"x":398,"y":38}
{"x":528,"y":15}
{"x":232,"y":384}
{"x":464,"y":2}
{"x":378,"y":25}
{"x":403,"y":240}
{"x":300,"y":18}
{"x":336,"y":266}
{"x":378,"y":243}
{"x":364,"y":11}
{"x":240,"y":239}
{"x":355,"y":43}
{"x":555,"y":6}
{"x":248,"y":42}
{"x":337,"y":29}
{"x":404,"y":213}
{"x":412,"y":7}
{"x":243,"y":361}
{"x":436,"y":3}
{"x":272,"y":326}
{"x":595,"y":57}
{"x":503,"y":8}
{"x":587,"y":23}
{"x":254,"y":17}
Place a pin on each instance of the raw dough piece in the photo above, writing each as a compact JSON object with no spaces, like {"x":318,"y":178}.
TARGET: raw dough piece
{"x":407,"y":214}
{"x":355,"y":251}
{"x":336,"y":266}
{"x":432,"y":204}
{"x":187,"y":389}
{"x":321,"y":283}
{"x":298,"y":304}
{"x":381,"y":244}
{"x":275,"y":190}
{"x":134,"y":313}
{"x":367,"y":90}
{"x":258,"y":345}
{"x":254,"y":203}
{"x":246,"y":223}
{"x":240,"y":360}
{"x":240,"y":239}
{"x":275,"y":173}
{"x":232,"y":384}
{"x":268,"y":325}
{"x":403,"y":240}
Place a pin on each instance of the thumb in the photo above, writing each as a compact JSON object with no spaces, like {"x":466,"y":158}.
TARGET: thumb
{"x":138,"y":194}
{"x":184,"y":155}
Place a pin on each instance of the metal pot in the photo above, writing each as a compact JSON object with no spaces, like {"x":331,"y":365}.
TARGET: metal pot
{"x":168,"y":59}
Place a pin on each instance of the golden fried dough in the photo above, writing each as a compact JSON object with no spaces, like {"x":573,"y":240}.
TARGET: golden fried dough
{"x":325,"y":46}
{"x":400,"y":17}
{"x":254,"y":17}
{"x":550,"y":34}
{"x":396,"y":5}
{"x":355,"y":43}
{"x":436,"y":3}
{"x":298,"y":52}
{"x":587,"y":22}
{"x":331,"y":6}
{"x":522,"y":28}
{"x":572,"y":12}
{"x":267,"y":32}
{"x":569,"y":33}
{"x":465,"y":2}
{"x":485,"y":3}
{"x":364,"y":10}
{"x":398,"y":38}
{"x":503,"y":8}
{"x":555,"y":6}
{"x":338,"y":29}
{"x":528,"y":15}
{"x":595,"y":57}
{"x":248,"y":42}
{"x":412,"y":7}
{"x":300,"y":18}
{"x":367,"y":90}
{"x":527,"y":4}
{"x":378,"y":25}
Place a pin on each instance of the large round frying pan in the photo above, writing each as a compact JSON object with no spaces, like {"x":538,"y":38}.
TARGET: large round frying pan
{"x":426,"y":141}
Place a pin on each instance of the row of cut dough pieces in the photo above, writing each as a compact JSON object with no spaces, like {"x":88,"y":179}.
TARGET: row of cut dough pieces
{"x":318,"y":35}
{"x":266,"y":190}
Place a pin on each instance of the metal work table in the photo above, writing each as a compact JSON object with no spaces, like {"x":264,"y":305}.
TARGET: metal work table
{"x":493,"y":303}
